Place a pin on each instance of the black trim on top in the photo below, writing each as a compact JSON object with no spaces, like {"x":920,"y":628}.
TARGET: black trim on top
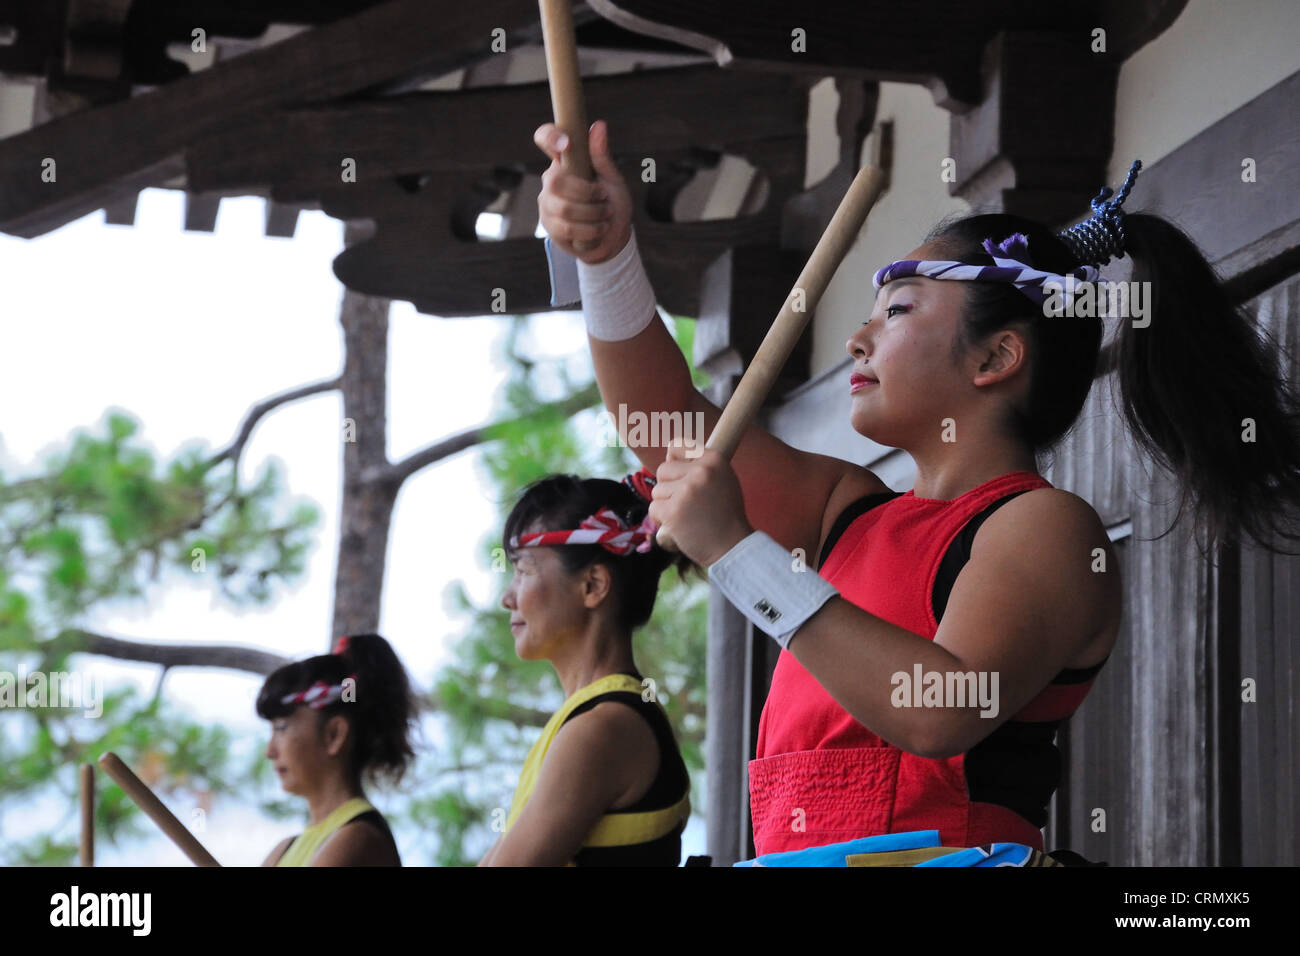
{"x":672,"y":780}
{"x":670,"y":784}
{"x":1018,"y":767}
{"x":851,"y":514}
{"x":957,"y":555}
{"x":954,"y":559}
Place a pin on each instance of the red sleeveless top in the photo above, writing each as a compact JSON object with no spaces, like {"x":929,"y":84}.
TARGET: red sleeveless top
{"x":821,"y":777}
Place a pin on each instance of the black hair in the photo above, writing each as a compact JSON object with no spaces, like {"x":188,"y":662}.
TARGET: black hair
{"x":561,"y":502}
{"x":1187,"y":380}
{"x":382,"y":716}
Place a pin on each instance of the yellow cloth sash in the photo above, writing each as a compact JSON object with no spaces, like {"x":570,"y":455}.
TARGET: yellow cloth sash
{"x":304,"y":847}
{"x":615,"y":828}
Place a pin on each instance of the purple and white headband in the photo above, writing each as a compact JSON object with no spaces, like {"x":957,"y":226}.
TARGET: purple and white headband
{"x":1010,"y":264}
{"x":1095,"y":240}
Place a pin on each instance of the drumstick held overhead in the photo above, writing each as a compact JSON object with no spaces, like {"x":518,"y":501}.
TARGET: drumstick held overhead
{"x":145,"y":799}
{"x":795,"y":312}
{"x":566,"y":88}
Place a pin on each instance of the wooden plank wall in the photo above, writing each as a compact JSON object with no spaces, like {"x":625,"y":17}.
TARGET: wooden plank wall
{"x":1134,"y":755}
{"x":1269,"y":757}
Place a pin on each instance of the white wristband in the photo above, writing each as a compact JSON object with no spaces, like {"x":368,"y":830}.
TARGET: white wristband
{"x":771,"y":587}
{"x":617,"y":301}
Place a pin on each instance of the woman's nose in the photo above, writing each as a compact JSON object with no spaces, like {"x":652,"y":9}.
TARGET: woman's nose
{"x":858,"y":343}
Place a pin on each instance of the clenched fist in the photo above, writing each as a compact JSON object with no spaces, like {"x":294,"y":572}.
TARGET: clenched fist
{"x":573,"y":209}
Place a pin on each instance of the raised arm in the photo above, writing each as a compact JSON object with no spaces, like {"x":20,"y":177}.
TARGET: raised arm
{"x":788,"y":493}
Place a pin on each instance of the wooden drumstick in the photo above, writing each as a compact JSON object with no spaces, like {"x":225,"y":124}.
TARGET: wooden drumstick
{"x":566,"y":88}
{"x":795,"y":312}
{"x":145,"y":799}
{"x":87,"y":794}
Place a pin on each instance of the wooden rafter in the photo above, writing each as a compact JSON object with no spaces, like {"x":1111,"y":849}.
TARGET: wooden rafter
{"x":938,"y":43}
{"x":102,"y":153}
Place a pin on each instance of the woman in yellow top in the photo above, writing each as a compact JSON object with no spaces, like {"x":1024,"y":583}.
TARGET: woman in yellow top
{"x":337,"y":719}
{"x":605,"y":784}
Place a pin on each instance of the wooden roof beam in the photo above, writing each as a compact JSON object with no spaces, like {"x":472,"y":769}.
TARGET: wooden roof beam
{"x":300,"y":151}
{"x":102,"y":152}
{"x":936,"y":43}
{"x":201,"y":211}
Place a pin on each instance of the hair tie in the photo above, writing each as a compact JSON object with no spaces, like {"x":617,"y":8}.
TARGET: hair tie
{"x":641,"y":483}
{"x":1100,"y":237}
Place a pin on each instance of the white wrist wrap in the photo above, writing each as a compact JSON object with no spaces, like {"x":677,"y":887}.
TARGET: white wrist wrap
{"x":617,"y":301}
{"x":766,"y":583}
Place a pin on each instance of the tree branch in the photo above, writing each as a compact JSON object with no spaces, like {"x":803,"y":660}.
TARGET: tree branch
{"x":250,"y":659}
{"x":230,"y":656}
{"x":400,"y":471}
{"x":264,"y":407}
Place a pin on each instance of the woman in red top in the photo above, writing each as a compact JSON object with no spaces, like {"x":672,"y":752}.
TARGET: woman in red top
{"x":973,"y":380}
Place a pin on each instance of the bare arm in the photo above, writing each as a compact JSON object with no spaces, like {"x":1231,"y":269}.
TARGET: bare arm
{"x":1026,"y":606}
{"x":596,"y":760}
{"x":787,"y":492}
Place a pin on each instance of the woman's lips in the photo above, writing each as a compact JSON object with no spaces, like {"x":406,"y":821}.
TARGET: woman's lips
{"x":858,"y":382}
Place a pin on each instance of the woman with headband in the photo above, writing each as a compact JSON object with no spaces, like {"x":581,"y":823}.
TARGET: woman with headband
{"x":984,"y":570}
{"x":605,"y":784}
{"x":338,"y":720}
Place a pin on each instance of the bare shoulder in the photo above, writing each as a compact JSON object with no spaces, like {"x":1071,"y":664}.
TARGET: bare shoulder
{"x":280,"y":849}
{"x":852,"y":482}
{"x":616,"y":740}
{"x":356,"y":844}
{"x":1060,"y":536}
{"x":610,"y":726}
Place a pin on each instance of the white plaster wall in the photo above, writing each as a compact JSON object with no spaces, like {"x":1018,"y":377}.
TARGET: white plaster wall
{"x":916,"y":199}
{"x":1216,"y":57}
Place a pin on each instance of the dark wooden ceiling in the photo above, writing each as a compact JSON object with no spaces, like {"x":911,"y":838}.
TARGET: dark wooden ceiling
{"x":280,"y":120}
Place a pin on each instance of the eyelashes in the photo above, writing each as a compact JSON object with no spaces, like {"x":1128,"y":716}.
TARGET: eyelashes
{"x":889,"y":312}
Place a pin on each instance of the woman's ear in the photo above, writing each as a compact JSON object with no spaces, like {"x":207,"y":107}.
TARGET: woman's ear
{"x":335,"y":734}
{"x":597,"y":583}
{"x":1006,"y":352}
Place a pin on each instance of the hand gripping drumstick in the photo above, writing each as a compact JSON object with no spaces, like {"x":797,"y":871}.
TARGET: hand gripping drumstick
{"x":566,"y":88}
{"x":144,"y":798}
{"x":799,"y":306}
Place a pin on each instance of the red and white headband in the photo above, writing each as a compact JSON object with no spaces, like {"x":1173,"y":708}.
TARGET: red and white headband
{"x":604,"y":528}
{"x":320,"y":694}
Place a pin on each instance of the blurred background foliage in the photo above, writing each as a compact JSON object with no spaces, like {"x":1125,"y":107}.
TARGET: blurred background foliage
{"x":103,"y":522}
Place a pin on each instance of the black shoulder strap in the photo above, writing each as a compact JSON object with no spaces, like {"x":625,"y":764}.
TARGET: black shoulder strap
{"x":673,"y":778}
{"x":958,"y":554}
{"x":955,"y":559}
{"x":849,"y":515}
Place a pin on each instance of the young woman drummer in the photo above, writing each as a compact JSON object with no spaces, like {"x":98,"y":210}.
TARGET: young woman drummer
{"x":337,"y":720}
{"x":605,"y":784}
{"x":973,"y":379}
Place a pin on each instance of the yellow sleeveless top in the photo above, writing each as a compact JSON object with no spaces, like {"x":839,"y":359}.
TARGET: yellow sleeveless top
{"x":305,"y":845}
{"x":613,"y":829}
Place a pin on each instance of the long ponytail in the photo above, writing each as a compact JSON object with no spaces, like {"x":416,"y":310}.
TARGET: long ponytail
{"x":1203,"y":392}
{"x":1200,"y":387}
